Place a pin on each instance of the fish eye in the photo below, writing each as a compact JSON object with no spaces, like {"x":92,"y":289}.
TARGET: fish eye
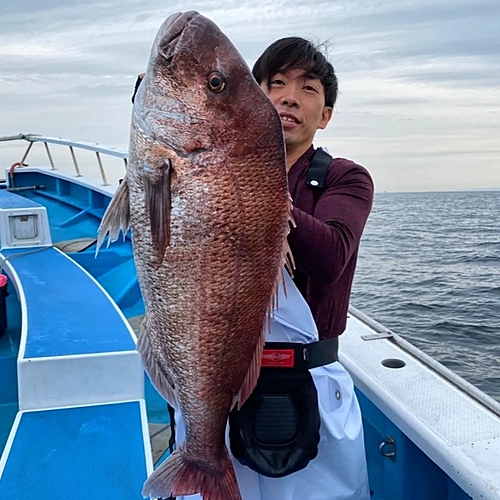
{"x":216,"y":82}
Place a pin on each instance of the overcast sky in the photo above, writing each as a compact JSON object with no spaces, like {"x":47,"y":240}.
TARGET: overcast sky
{"x":419,"y":102}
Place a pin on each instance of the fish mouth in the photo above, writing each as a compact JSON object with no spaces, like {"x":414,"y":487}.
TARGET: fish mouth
{"x":172,"y":31}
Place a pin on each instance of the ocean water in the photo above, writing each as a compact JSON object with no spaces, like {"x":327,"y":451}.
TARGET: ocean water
{"x":429,"y":270}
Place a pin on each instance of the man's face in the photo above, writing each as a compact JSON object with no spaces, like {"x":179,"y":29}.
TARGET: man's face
{"x":300,"y":102}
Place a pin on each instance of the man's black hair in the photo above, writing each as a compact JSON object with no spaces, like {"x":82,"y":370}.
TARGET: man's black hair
{"x":297,"y":53}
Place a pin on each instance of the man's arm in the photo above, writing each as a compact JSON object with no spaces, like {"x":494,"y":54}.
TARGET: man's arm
{"x":323,"y":244}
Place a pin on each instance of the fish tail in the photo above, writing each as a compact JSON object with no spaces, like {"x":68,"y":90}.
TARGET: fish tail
{"x":179,"y":476}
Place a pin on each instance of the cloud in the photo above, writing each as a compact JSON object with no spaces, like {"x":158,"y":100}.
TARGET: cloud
{"x":415,"y":68}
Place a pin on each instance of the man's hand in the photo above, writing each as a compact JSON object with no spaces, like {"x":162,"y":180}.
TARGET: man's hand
{"x":140,"y":77}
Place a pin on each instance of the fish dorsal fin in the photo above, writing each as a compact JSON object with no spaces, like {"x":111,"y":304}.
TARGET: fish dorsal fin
{"x":116,"y":217}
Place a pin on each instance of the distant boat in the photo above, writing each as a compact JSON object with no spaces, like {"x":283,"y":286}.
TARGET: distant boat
{"x":78,"y":418}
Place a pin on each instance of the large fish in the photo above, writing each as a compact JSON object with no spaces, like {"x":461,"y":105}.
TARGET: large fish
{"x":206,"y":198}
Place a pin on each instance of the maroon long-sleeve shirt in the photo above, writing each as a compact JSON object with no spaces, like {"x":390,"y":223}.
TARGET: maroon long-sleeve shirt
{"x":325,"y":242}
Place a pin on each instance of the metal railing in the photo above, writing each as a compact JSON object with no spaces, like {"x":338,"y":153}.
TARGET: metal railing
{"x":89,"y":146}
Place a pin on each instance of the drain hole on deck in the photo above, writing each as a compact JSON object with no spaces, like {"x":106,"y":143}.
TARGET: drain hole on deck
{"x":393,"y":363}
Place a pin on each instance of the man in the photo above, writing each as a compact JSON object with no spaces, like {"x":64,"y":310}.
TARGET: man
{"x":303,"y":87}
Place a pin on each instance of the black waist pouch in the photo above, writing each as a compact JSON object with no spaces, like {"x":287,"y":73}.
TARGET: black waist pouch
{"x":276,"y":432}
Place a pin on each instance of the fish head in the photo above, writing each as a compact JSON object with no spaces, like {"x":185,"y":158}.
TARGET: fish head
{"x":198,"y":95}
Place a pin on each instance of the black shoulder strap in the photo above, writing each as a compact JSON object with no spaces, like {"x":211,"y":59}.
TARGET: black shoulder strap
{"x":316,"y":175}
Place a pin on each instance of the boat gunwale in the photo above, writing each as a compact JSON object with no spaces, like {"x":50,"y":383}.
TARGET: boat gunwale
{"x":453,"y":378}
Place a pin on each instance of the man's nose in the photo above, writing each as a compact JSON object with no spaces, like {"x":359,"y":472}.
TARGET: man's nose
{"x":288,"y":98}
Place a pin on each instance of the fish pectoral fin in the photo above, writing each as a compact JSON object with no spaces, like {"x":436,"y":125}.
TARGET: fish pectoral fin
{"x":158,"y":204}
{"x":156,"y":373}
{"x":116,"y":217}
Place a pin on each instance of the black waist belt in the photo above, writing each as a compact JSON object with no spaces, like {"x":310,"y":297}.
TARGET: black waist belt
{"x":297,"y":355}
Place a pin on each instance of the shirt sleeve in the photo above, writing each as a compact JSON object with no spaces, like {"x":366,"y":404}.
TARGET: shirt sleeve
{"x":323,"y":243}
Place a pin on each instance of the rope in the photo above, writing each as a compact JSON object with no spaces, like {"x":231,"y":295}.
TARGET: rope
{"x":20,"y":254}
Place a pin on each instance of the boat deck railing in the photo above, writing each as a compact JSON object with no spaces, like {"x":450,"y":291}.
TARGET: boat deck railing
{"x":72,"y":146}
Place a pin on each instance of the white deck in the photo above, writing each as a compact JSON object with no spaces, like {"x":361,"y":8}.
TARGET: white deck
{"x":448,"y":425}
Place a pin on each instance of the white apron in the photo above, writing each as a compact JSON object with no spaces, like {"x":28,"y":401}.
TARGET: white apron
{"x":339,"y":470}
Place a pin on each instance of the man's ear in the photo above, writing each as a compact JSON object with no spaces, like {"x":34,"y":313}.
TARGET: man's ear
{"x":326,"y":117}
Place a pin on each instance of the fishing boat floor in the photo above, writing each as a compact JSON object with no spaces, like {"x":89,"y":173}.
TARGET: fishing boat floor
{"x":79,"y":450}
{"x":8,"y":414}
{"x":159,"y":435}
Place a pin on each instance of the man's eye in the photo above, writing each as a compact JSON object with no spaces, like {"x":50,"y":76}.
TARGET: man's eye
{"x":277,"y":82}
{"x":309,"y":87}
